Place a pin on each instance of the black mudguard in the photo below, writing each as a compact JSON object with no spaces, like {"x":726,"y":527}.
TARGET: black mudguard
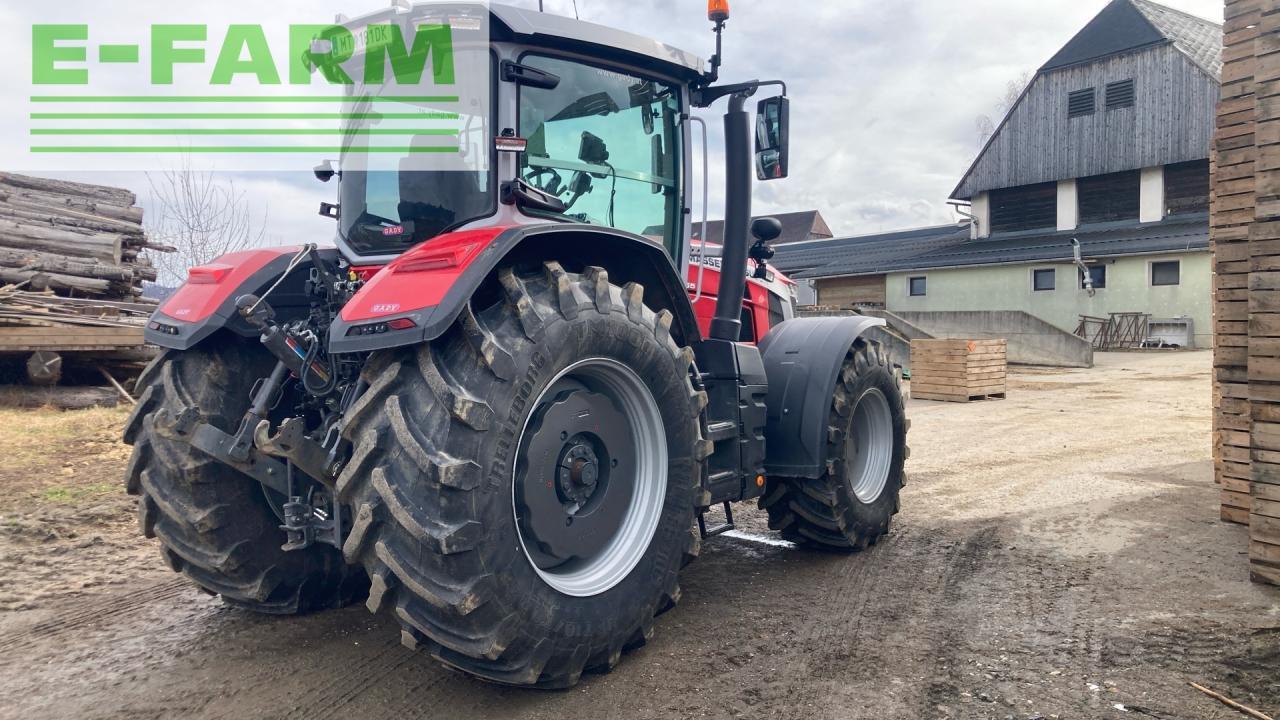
{"x":802,"y":359}
{"x":624,"y":255}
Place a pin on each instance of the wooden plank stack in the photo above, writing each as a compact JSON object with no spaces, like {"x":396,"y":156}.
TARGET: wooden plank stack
{"x":958,"y":370}
{"x":1264,"y":294}
{"x":1245,"y":233}
{"x":76,"y":239}
{"x":31,"y":322}
{"x":1232,"y":201}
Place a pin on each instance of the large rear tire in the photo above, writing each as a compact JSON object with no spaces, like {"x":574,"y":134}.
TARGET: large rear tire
{"x":523,"y":487}
{"x":214,"y":523}
{"x":850,"y":506}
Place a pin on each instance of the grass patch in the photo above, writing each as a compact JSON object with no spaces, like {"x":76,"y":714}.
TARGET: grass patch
{"x":70,"y":494}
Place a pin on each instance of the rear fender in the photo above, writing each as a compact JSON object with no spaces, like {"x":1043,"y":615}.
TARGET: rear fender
{"x":802,"y":360}
{"x":430,"y":284}
{"x":205,"y":303}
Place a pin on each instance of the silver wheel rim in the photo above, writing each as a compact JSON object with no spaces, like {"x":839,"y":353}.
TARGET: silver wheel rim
{"x":869,"y":447}
{"x":648,"y":484}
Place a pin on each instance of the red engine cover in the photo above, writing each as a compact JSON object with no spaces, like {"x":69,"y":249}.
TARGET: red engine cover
{"x":419,"y":278}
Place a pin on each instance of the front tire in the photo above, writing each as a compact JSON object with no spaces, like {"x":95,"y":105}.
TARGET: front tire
{"x":849,"y":507}
{"x":484,"y":458}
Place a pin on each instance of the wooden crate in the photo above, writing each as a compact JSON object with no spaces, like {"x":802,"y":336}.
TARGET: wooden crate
{"x":958,"y":370}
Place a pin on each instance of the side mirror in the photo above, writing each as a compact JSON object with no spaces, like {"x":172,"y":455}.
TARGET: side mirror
{"x":772,"y":128}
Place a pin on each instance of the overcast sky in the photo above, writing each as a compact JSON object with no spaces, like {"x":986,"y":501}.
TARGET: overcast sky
{"x":884,"y":94}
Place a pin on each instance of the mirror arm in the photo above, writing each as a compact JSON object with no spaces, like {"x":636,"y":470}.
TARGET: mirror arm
{"x":705,"y":95}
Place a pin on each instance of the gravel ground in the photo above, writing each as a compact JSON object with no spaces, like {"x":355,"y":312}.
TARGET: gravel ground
{"x":1058,"y":555}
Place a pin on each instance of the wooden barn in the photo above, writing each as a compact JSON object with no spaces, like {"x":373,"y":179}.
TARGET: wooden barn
{"x":1090,"y":198}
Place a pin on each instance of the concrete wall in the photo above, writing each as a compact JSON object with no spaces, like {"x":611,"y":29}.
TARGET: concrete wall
{"x":1008,"y":287}
{"x":1032,"y":341}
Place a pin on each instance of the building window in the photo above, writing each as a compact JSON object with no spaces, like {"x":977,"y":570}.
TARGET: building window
{"x":1028,"y":207}
{"x":915,"y":286}
{"x":1120,"y":94}
{"x":1109,"y":198}
{"x":1080,"y":102}
{"x":1186,"y":187}
{"x":1165,"y":272}
{"x":1044,"y":279}
{"x":1098,"y":274}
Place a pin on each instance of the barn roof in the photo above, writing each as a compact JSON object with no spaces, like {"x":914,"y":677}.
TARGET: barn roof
{"x":1126,"y":25}
{"x":796,"y":227}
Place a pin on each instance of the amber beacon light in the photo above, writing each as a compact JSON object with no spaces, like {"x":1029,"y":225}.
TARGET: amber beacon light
{"x":717,"y":10}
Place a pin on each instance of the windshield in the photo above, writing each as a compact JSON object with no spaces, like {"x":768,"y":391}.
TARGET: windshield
{"x":388,"y":204}
{"x":607,"y":144}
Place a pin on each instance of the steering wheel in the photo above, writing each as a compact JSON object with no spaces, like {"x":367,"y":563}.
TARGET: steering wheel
{"x":553,"y":184}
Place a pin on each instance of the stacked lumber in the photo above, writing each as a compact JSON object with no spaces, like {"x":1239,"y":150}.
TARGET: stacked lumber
{"x":76,"y":239}
{"x":43,"y":322}
{"x":1232,"y":164}
{"x":1245,"y":231}
{"x":958,"y":370}
{"x":1264,"y":294}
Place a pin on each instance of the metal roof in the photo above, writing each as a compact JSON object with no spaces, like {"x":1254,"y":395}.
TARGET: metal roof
{"x":949,"y":246}
{"x":534,"y":24}
{"x":1125,"y":25}
{"x":1200,"y":39}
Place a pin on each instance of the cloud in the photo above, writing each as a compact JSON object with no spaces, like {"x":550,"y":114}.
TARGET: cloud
{"x":884,"y":95}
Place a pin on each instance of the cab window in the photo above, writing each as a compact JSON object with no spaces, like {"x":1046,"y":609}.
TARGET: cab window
{"x":607,"y":143}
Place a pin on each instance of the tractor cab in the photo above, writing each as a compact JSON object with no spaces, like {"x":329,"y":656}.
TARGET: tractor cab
{"x":584,"y":124}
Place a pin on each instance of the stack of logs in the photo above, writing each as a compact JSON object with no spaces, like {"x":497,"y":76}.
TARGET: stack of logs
{"x":76,"y":239}
{"x":1246,"y":245}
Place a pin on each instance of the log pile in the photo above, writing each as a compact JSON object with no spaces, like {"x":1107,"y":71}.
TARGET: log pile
{"x":75,"y":239}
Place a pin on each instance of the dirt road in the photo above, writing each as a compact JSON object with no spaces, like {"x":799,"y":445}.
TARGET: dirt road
{"x":1058,"y":555}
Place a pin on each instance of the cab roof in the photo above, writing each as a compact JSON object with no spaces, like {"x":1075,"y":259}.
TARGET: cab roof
{"x":601,"y":40}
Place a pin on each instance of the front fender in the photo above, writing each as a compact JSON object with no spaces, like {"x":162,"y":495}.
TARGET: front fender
{"x":802,"y":360}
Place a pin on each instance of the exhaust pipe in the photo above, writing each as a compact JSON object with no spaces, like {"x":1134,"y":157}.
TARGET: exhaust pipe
{"x":727,"y":322}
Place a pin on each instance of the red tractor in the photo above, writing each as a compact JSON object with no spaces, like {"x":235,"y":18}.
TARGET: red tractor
{"x":502,"y":404}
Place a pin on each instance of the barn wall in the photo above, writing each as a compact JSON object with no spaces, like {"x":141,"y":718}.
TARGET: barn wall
{"x":1009,"y":287}
{"x":843,"y":292}
{"x":1171,"y":121}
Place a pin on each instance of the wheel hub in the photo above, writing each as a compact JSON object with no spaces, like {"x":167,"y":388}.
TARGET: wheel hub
{"x":579,"y":472}
{"x":577,"y":443}
{"x":590,"y":476}
{"x":869,"y":447}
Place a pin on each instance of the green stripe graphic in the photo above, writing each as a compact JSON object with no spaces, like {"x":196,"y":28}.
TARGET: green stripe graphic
{"x":238,"y":131}
{"x":244,"y":149}
{"x":244,"y":116}
{"x":234,"y":98}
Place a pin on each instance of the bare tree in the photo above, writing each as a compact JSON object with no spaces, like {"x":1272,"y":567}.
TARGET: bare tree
{"x":201,"y":216}
{"x":1012,"y":91}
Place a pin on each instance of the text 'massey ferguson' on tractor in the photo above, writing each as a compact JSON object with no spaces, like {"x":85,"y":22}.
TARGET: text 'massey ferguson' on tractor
{"x":504,"y":401}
